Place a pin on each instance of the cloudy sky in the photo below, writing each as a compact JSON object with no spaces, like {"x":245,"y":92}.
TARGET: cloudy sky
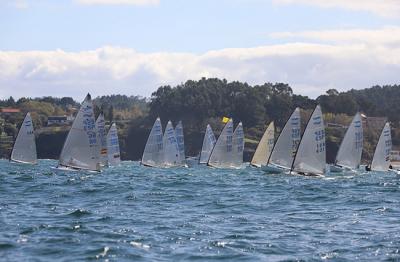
{"x":71,"y":47}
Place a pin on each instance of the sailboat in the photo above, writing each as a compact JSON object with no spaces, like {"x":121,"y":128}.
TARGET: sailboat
{"x":228,"y":150}
{"x":310,"y":158}
{"x":264,"y":147}
{"x":24,"y":149}
{"x":381,"y":159}
{"x":349,"y":155}
{"x":113,"y":152}
{"x":208,"y":145}
{"x":102,"y":139}
{"x":153,"y":155}
{"x":286,"y":145}
{"x":181,"y":142}
{"x":171,"y":148}
{"x":81,"y":147}
{"x":238,"y":147}
{"x":221,"y":154}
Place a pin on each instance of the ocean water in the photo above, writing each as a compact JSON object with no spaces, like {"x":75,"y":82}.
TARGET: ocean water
{"x":133,"y":213}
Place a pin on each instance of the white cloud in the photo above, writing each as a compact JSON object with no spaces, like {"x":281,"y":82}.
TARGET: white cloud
{"x":389,"y":35}
{"x":348,"y":60}
{"x":387,"y":8}
{"x":119,"y":2}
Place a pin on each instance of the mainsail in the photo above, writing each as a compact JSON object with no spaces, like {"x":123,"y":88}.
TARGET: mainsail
{"x":113,"y":146}
{"x":264,"y":147}
{"x":349,"y":154}
{"x":311,"y":157}
{"x":24,"y":149}
{"x":221,"y":155}
{"x":153,"y":154}
{"x":208,"y":145}
{"x":287,"y":143}
{"x":381,"y":160}
{"x":171,"y":150}
{"x":102,"y":139}
{"x":180,"y":141}
{"x":238,"y":147}
{"x":81,"y":148}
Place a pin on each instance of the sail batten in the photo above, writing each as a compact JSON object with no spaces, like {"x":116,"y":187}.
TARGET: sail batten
{"x":264,"y":147}
{"x":113,"y":151}
{"x":381,"y":159}
{"x":24,"y":149}
{"x":208,"y":144}
{"x":349,"y":154}
{"x":81,"y":147}
{"x":311,"y":153}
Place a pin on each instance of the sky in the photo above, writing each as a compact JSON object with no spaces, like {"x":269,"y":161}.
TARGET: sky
{"x":72,"y":47}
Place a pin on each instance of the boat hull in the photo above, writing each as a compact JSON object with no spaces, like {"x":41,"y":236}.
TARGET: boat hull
{"x":274,"y":169}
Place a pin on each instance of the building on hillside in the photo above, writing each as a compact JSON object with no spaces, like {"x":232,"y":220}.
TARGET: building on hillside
{"x":9,"y":111}
{"x":375,"y":122}
{"x":59,"y":120}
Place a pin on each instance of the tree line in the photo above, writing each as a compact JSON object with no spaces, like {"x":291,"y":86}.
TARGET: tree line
{"x":207,"y":100}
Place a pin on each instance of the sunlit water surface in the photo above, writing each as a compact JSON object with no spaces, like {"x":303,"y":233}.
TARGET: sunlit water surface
{"x":132,"y":212}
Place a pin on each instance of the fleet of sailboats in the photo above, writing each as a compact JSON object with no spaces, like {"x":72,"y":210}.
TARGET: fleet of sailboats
{"x":88,"y":146}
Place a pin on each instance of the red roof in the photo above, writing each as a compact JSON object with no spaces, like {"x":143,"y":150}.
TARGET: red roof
{"x":10,"y":110}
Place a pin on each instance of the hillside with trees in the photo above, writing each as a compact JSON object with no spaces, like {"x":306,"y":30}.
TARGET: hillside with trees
{"x":197,"y":103}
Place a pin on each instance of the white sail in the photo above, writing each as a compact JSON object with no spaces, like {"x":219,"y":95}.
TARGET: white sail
{"x":180,"y":141}
{"x":81,"y":148}
{"x":287,"y":143}
{"x":102,"y":139}
{"x":153,"y":154}
{"x":264,"y":147}
{"x":349,"y":154}
{"x":238,"y":147}
{"x":311,"y":155}
{"x":221,"y":155}
{"x":24,"y":149}
{"x":381,"y":160}
{"x":208,"y":145}
{"x":171,"y":150}
{"x":113,"y":151}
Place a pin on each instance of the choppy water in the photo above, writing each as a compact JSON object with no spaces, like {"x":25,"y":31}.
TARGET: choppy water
{"x":136,"y":213}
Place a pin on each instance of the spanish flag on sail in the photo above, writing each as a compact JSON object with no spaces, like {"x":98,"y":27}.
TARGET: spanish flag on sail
{"x":225,"y":119}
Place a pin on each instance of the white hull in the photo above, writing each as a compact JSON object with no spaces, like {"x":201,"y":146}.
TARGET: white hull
{"x":341,"y":169}
{"x":23,"y":162}
{"x":274,"y":169}
{"x":73,"y":169}
{"x":306,"y":174}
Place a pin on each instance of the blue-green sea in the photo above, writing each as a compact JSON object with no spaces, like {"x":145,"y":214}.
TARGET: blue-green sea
{"x":134,"y":213}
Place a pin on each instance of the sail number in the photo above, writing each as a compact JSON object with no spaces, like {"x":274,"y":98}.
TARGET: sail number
{"x":320,"y":139}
